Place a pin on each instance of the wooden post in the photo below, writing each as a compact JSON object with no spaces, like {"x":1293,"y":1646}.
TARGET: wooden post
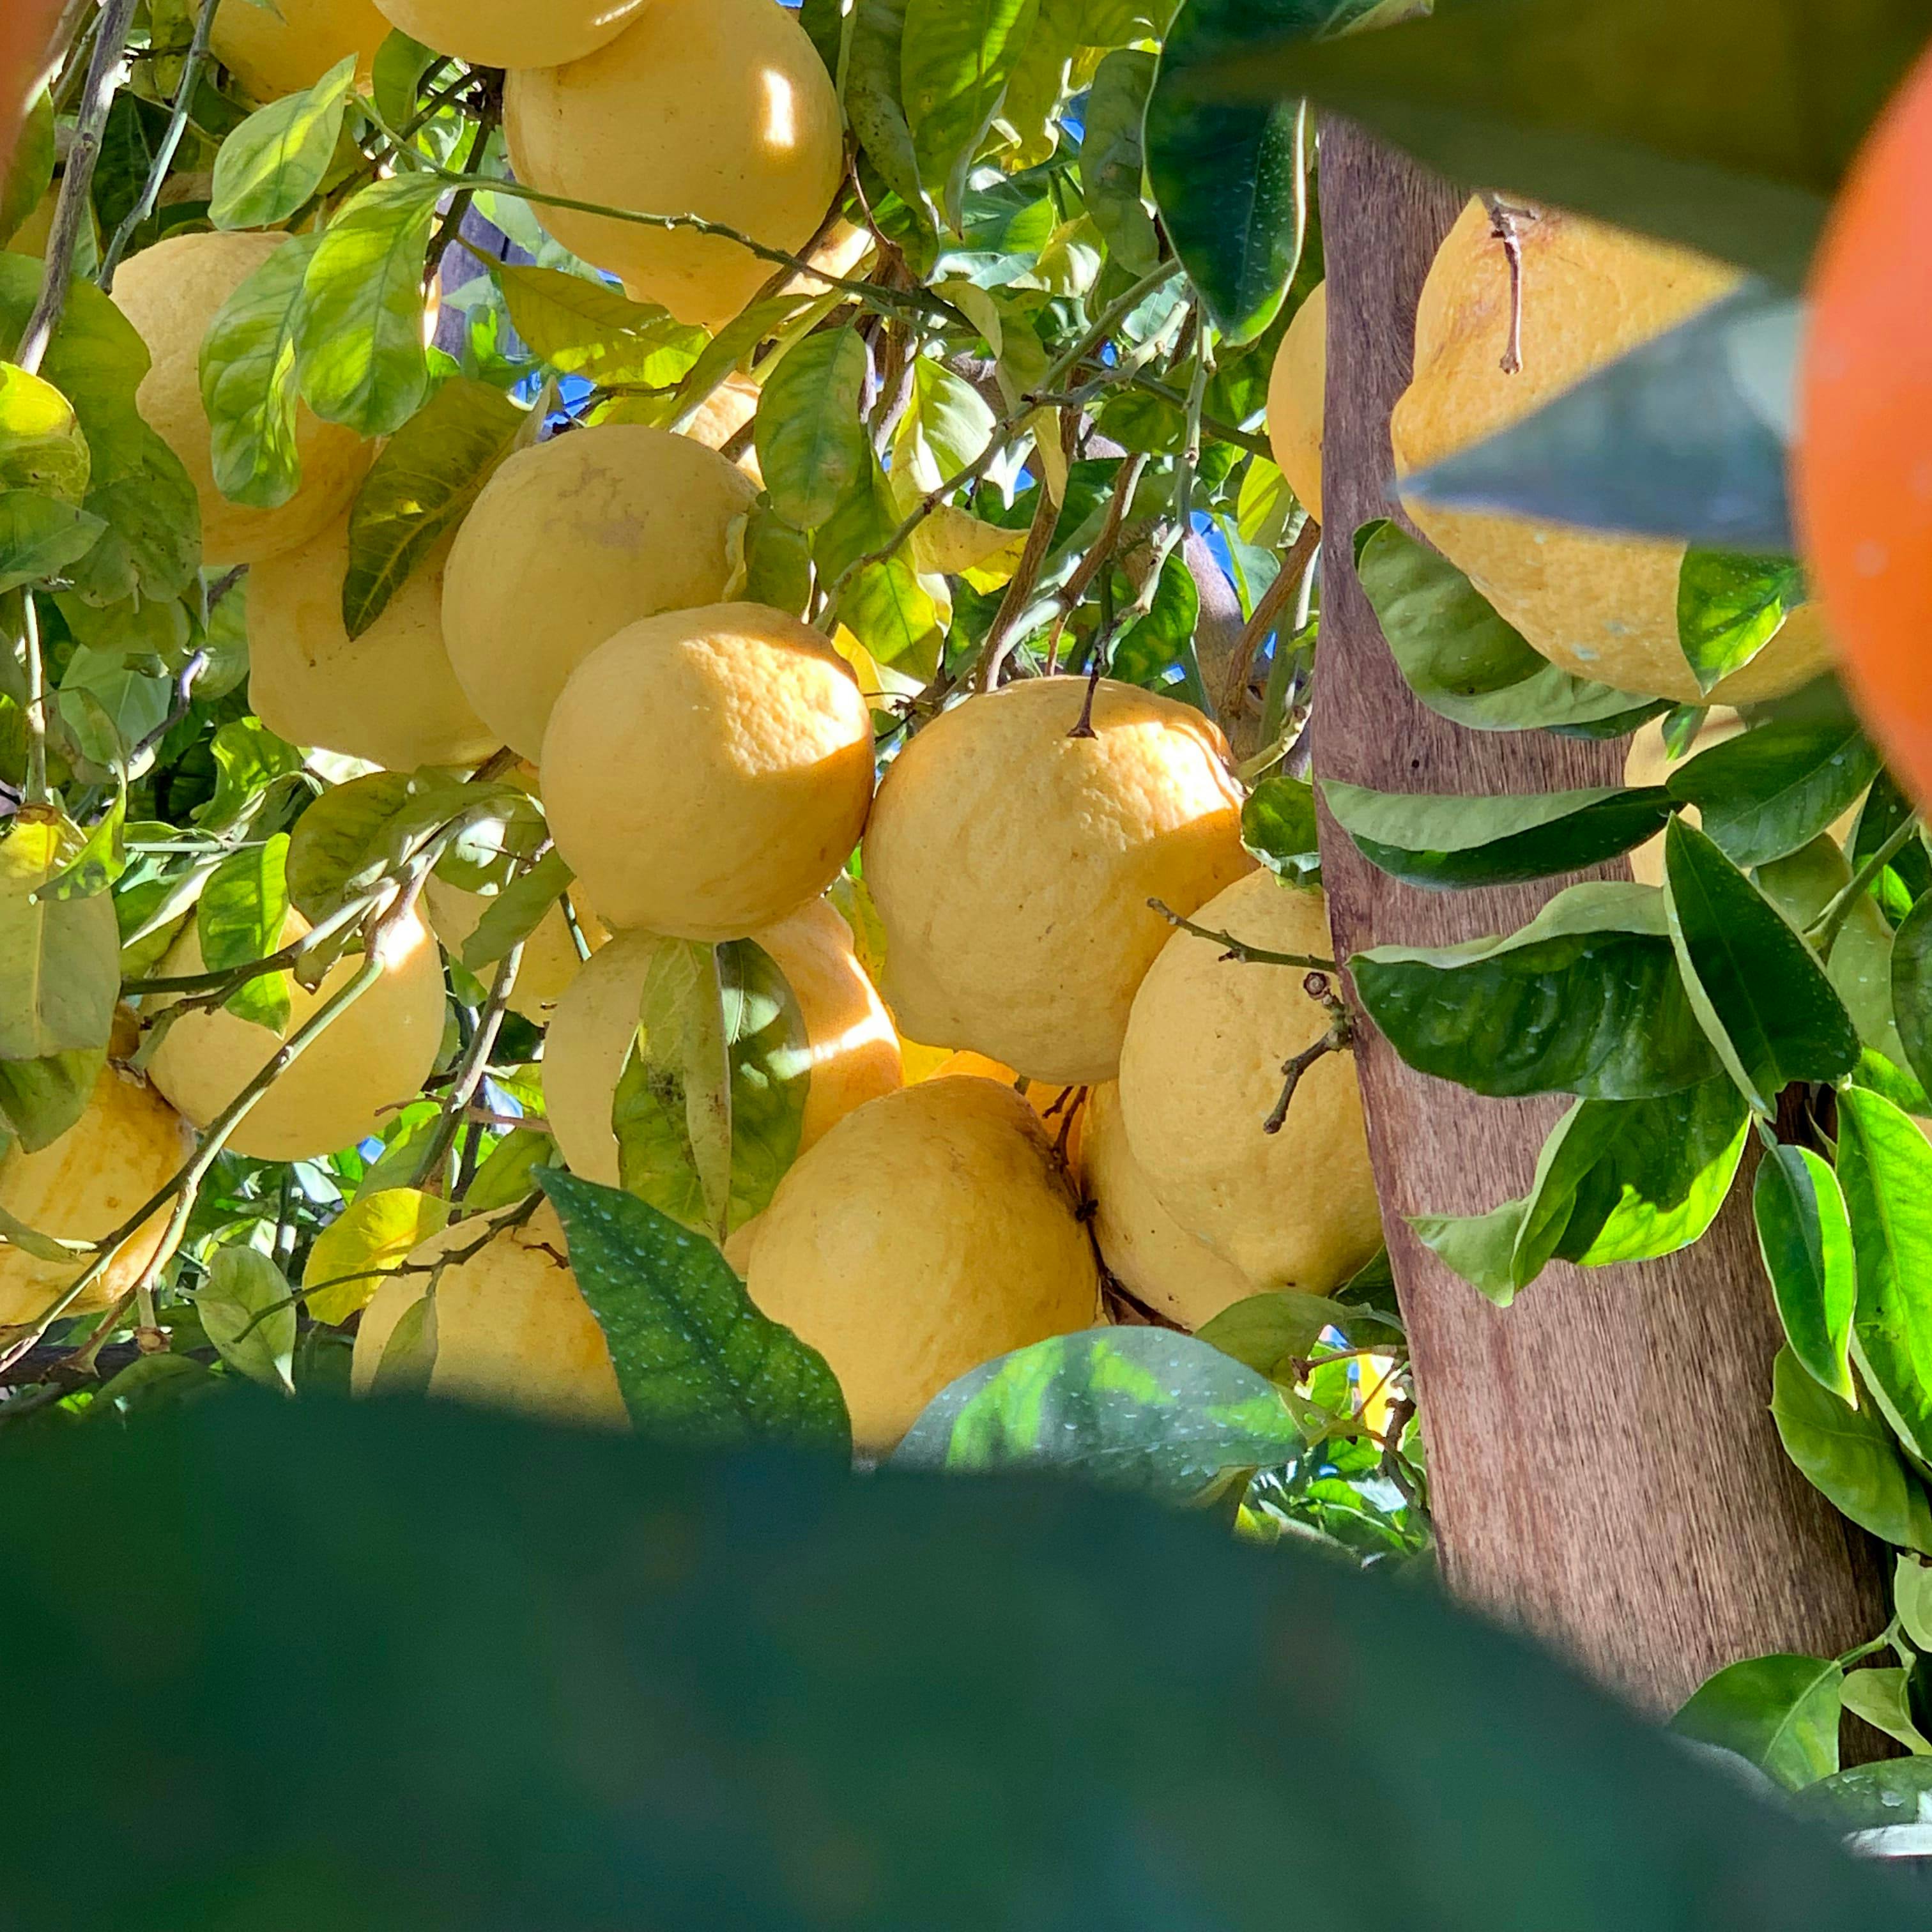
{"x":1603,"y":1466}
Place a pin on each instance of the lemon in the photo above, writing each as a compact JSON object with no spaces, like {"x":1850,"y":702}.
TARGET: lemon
{"x":512,"y":33}
{"x":276,"y":50}
{"x":1297,"y":388}
{"x":550,"y":962}
{"x":1011,"y":865}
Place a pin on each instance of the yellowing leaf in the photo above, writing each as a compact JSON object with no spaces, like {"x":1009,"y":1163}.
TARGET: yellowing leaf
{"x":951,"y":542}
{"x":372,"y":1237}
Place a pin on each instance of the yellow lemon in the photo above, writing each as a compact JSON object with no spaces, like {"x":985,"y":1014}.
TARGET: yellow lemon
{"x":1601,"y":607}
{"x":1012,"y":864}
{"x":276,"y":50}
{"x":369,"y":1060}
{"x":388,"y":696}
{"x":172,"y":293}
{"x":1297,"y":388}
{"x":928,"y":1232}
{"x":571,"y":541}
{"x":1058,"y":1107}
{"x":512,"y":1328}
{"x":1200,"y":1072}
{"x":512,"y":33}
{"x":1149,"y":1253}
{"x":717,"y":108}
{"x":127,"y":1145}
{"x":551,"y":962}
{"x":708,"y":772}
{"x":853,"y":1052}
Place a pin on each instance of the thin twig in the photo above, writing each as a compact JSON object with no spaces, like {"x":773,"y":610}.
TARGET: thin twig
{"x":1267,"y":617}
{"x":1340,"y":1038}
{"x":184,"y":698}
{"x":1240,"y":949}
{"x":1100,"y":553}
{"x":36,"y":705}
{"x":1001,"y":638}
{"x":1822,"y":932}
{"x":1503,"y":219}
{"x":469,"y":1073}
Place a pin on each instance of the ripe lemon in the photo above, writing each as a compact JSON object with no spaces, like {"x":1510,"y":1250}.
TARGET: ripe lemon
{"x":854,"y":1052}
{"x":171,"y":293}
{"x":928,"y":1232}
{"x":512,"y":1328}
{"x":551,"y":962}
{"x":512,"y":33}
{"x":1297,"y":388}
{"x":127,"y":1145}
{"x":1058,"y":1107}
{"x":1601,"y":607}
{"x":388,"y":696}
{"x":708,"y":772}
{"x":571,"y":541}
{"x":369,"y":1060}
{"x":1202,"y":1070}
{"x":1011,"y":865}
{"x":1150,"y":1253}
{"x":717,"y":108}
{"x":276,"y":50}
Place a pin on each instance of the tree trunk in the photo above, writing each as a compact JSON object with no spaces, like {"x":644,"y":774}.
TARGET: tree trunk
{"x":1603,"y":1466}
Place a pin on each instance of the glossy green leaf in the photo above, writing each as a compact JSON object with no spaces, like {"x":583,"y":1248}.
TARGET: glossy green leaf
{"x":248,"y":380}
{"x":1275,"y":1334}
{"x":811,"y":439}
{"x":1457,"y":655}
{"x":29,"y":174}
{"x":778,"y":562}
{"x":1911,"y":1598}
{"x":588,"y":328}
{"x":514,"y":913}
{"x":1884,"y":1167}
{"x":420,"y":488}
{"x":1440,"y":840}
{"x":354,"y":834}
{"x":1804,"y":1234}
{"x":359,"y":330}
{"x":1112,"y":160}
{"x":247,"y":1310}
{"x":1608,"y":109}
{"x":276,"y":159}
{"x":1774,"y":788}
{"x":1142,"y":1409}
{"x":397,"y":73}
{"x":1771,"y":1015}
{"x":699,"y":1366}
{"x":239,"y":920}
{"x":509,"y":1174}
{"x":1912,"y":987}
{"x":1878,"y":1697}
{"x":59,"y":958}
{"x":41,"y":537}
{"x":873,"y":97}
{"x":1885,"y":808}
{"x":1729,"y":607}
{"x":1586,"y":999}
{"x":1683,"y":437}
{"x":888,"y":606}
{"x":1779,"y":1713}
{"x":41,"y":446}
{"x":1871,"y":1798}
{"x":1155,"y":647}
{"x":1848,"y":1455}
{"x":248,"y":758}
{"x":1227,"y":175}
{"x":954,"y":56}
{"x":40,"y":1100}
{"x":1279,"y":827}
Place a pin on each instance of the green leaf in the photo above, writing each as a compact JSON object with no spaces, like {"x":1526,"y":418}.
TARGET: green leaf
{"x":1228,"y":176}
{"x":1878,"y":1697}
{"x":698,"y":1365}
{"x":409,"y":1356}
{"x":813,"y":450}
{"x":41,"y":537}
{"x":1804,"y":1234}
{"x":1608,"y":108}
{"x":30,"y":173}
{"x":778,"y":562}
{"x":1773,"y":789}
{"x":359,"y":331}
{"x":248,"y":380}
{"x":1437,"y":840}
{"x":1457,"y":655}
{"x":1278,"y":826}
{"x":420,"y":488}
{"x":233,"y":1303}
{"x":584,"y":328}
{"x":1758,"y":990}
{"x":822,"y":21}
{"x":887,"y":606}
{"x":873,"y":100}
{"x":372,"y":1236}
{"x":1880,"y":1797}
{"x":41,"y":446}
{"x":396,"y":76}
{"x":1779,"y":1713}
{"x":353,"y":835}
{"x":1848,"y":1455}
{"x":276,"y":159}
{"x":1111,"y":161}
{"x":510,"y":1173}
{"x":1729,"y":607}
{"x":954,"y":59}
{"x":239,"y":920}
{"x":516,"y":912}
{"x":1275,"y":1334}
{"x":59,"y":958}
{"x":1586,"y":999}
{"x":1885,"y":808}
{"x":1153,"y":647}
{"x":1884,"y":1166}
{"x":1683,"y":437}
{"x":1142,"y":1409}
{"x":248,"y":758}
{"x":1912,"y":1596}
{"x":40,"y":1100}
{"x":1912,"y":987}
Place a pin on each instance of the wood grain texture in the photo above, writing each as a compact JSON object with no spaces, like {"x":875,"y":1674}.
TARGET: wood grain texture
{"x":1603,"y":1463}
